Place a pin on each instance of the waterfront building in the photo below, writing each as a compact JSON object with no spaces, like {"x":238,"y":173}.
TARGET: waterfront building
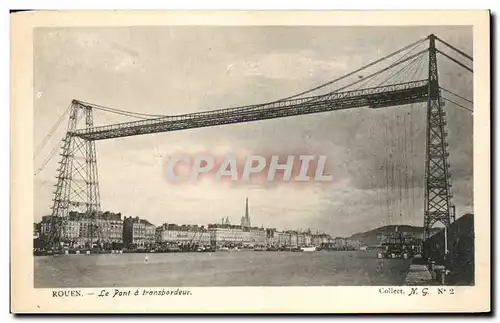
{"x":294,"y":237}
{"x":308,"y":238}
{"x":44,"y":225}
{"x":71,"y":228}
{"x":272,"y":237}
{"x":284,"y":239}
{"x":321,"y":239}
{"x":83,"y":230}
{"x":346,"y":243}
{"x":36,"y":230}
{"x":103,"y":229}
{"x":138,"y":233}
{"x":353,"y":244}
{"x":182,"y":234}
{"x":236,"y":235}
{"x":315,"y":240}
{"x":254,"y":236}
{"x":87,"y":230}
{"x":110,"y":227}
{"x":225,"y":234}
{"x":339,"y":242}
{"x":301,"y":239}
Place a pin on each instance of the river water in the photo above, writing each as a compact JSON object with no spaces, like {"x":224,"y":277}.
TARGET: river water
{"x":244,"y":268}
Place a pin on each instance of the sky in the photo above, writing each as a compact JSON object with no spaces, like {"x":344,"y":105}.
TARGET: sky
{"x":182,"y":69}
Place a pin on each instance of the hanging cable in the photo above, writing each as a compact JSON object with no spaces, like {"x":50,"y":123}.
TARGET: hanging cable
{"x":400,"y":169}
{"x":391,"y":155}
{"x":383,"y":70}
{"x":386,"y":169}
{"x":401,"y":70}
{"x":418,"y":68}
{"x":405,"y":73}
{"x":372,"y":82}
{"x":420,"y":57}
{"x":412,"y":168}
{"x":397,"y":61}
{"x":407,"y":167}
{"x":418,"y":74}
{"x":409,"y":183}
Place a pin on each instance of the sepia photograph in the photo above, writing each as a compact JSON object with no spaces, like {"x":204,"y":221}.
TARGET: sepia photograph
{"x":179,"y":156}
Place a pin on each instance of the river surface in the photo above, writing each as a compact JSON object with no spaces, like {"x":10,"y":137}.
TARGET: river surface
{"x":243,"y":268}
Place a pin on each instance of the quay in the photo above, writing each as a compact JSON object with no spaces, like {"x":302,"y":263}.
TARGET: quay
{"x":419,"y":274}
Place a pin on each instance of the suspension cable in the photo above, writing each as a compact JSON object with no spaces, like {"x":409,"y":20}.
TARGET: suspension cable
{"x":119,"y":112}
{"x":418,"y":68}
{"x":122,"y":112}
{"x":50,"y":133}
{"x":455,"y":49}
{"x":354,"y":72}
{"x":402,"y":70}
{"x":407,"y":71}
{"x":47,"y":160}
{"x":370,"y":76}
{"x":459,"y":96}
{"x":397,"y":61}
{"x":414,"y":45}
{"x":457,"y":104}
{"x":454,"y":60}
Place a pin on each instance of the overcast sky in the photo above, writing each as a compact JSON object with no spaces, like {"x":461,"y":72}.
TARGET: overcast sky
{"x":171,"y":70}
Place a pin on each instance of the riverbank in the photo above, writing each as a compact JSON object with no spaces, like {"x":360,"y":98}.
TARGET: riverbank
{"x":178,"y":250}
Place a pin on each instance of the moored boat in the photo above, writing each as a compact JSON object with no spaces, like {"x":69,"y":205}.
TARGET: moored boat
{"x":308,"y":248}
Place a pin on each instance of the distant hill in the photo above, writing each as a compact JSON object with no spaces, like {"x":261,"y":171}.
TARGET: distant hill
{"x":370,"y":238}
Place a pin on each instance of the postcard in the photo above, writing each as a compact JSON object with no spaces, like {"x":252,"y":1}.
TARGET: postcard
{"x":250,"y":162}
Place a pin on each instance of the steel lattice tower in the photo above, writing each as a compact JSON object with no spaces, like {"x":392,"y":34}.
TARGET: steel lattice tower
{"x":437,"y":206}
{"x":77,"y":188}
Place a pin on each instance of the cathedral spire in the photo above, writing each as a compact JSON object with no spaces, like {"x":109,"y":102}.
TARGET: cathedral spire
{"x":246,"y":209}
{"x":246,"y":221}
